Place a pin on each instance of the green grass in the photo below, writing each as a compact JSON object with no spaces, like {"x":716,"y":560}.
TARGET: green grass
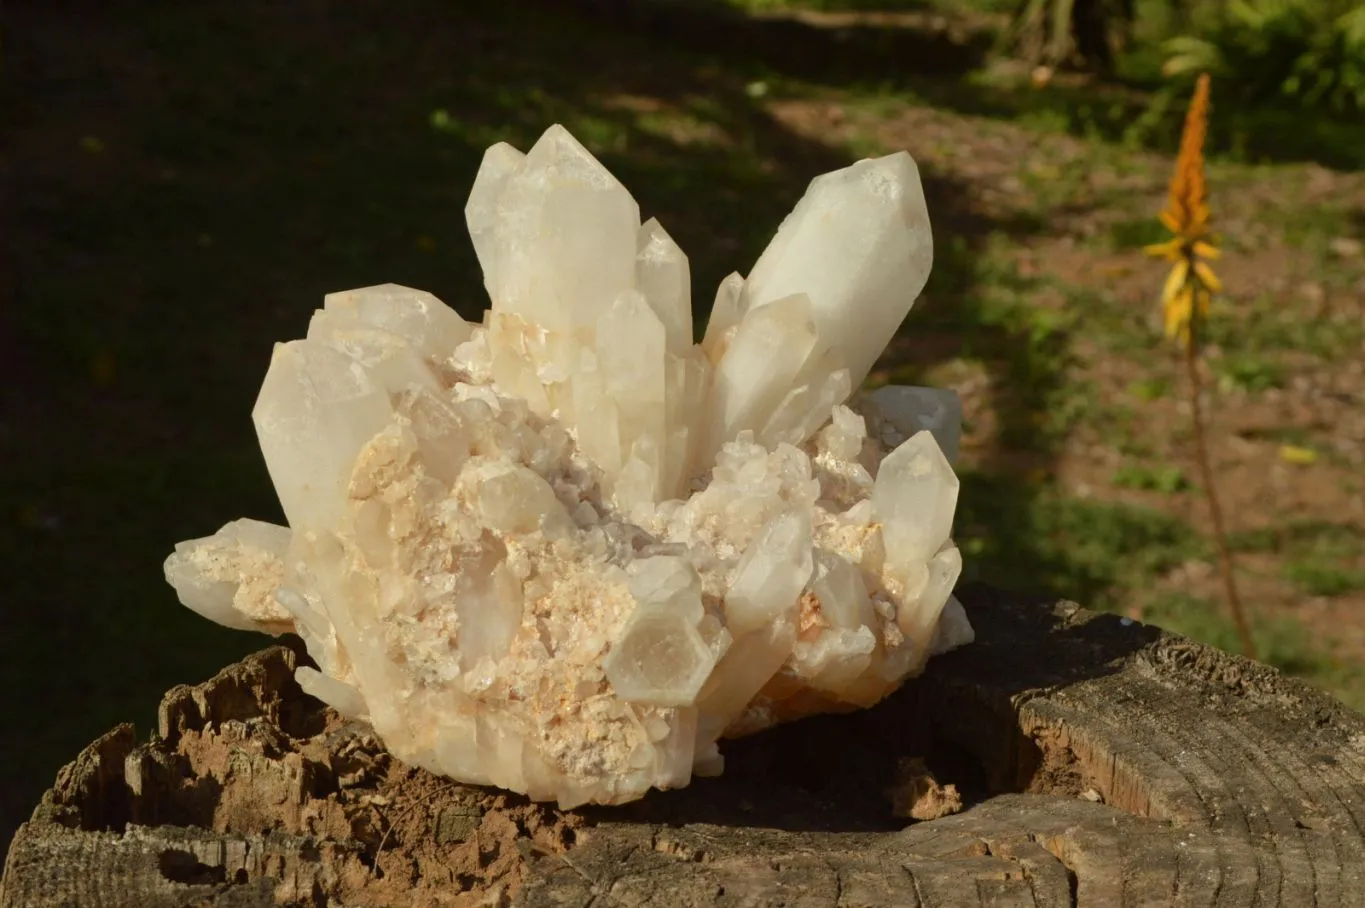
{"x":1141,"y":109}
{"x":1320,"y":563}
{"x":979,"y":299}
{"x":1023,"y":536}
{"x":1136,"y":232}
{"x":1310,"y":226}
{"x":1322,"y":575}
{"x":1150,"y":389}
{"x":1119,"y":328}
{"x":1319,"y":557}
{"x":1248,"y":372}
{"x":1142,"y":477}
{"x":1274,"y":323}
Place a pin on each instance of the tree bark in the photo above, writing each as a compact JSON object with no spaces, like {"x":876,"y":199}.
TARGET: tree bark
{"x":1100,"y":762}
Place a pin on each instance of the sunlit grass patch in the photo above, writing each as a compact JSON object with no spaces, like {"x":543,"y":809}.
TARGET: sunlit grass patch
{"x":1321,"y":558}
{"x":1284,"y":321}
{"x":1248,"y":372}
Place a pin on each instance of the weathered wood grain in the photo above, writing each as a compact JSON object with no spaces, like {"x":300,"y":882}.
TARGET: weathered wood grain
{"x":1101,"y":762}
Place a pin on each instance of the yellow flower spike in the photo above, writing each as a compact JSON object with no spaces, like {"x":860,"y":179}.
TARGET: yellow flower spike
{"x":1185,"y":297}
{"x":1175,"y":281}
{"x":1177,"y":312}
{"x":1209,"y":279}
{"x":1171,"y":249}
{"x":1191,"y":281}
{"x":1187,"y":211}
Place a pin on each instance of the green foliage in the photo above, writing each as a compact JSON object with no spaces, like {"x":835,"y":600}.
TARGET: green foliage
{"x":1059,"y":32}
{"x":1308,"y":51}
{"x":1136,"y":232}
{"x":1022,"y":537}
{"x":1319,"y":555}
{"x":1167,"y":479}
{"x":1248,"y":372}
{"x":1150,"y":389}
{"x":1320,"y":562}
{"x":1321,"y":577}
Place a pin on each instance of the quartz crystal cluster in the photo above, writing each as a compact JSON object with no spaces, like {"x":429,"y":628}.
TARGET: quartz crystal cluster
{"x":566,"y":550}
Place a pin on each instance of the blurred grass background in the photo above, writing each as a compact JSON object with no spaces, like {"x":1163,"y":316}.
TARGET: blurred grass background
{"x":185,"y":182}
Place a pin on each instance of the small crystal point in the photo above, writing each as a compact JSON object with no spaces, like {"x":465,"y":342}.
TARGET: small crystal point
{"x":749,"y":664}
{"x":858,"y":244}
{"x":631,"y":344}
{"x":230,"y":577}
{"x":660,"y":659}
{"x":727,"y":309}
{"x":768,"y":350}
{"x":342,"y":697}
{"x":481,"y":212}
{"x":841,"y":592}
{"x":661,"y":273}
{"x":771,"y":574}
{"x":918,"y":618}
{"x":431,"y":327}
{"x":834,"y":661}
{"x":954,"y":629}
{"x":667,"y":583}
{"x":822,"y":385}
{"x":316,"y":409}
{"x":914,"y":497}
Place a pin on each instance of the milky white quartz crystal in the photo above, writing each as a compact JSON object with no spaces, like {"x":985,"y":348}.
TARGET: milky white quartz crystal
{"x":565,"y":551}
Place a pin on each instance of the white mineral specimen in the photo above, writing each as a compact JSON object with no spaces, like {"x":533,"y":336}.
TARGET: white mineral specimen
{"x":566,"y":550}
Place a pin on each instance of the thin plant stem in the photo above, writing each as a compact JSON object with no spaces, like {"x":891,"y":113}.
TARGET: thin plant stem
{"x":1220,"y":537}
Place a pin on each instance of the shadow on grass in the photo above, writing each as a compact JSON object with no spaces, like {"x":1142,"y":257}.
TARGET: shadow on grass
{"x":188,"y":180}
{"x":842,"y":40}
{"x":1150,"y":116}
{"x":915,"y":49}
{"x":1355,"y":220}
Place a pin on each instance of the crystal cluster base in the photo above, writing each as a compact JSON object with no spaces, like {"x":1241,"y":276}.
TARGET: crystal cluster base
{"x":567,"y":550}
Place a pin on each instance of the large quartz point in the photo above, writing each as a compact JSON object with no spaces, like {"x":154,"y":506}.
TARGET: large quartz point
{"x":871,"y":219}
{"x":567,"y":550}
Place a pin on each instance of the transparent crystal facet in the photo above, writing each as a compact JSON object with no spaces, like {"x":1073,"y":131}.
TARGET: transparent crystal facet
{"x":914,"y":497}
{"x":872,"y":220}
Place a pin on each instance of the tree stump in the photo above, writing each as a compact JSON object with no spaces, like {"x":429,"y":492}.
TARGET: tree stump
{"x":1069,"y":757}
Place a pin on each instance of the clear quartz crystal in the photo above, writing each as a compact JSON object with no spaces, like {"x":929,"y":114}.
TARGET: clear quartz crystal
{"x":566,"y":550}
{"x":900,"y":412}
{"x":872,"y":221}
{"x":661,"y":274}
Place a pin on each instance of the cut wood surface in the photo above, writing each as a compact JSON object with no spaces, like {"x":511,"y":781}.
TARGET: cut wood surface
{"x":1095,"y":761}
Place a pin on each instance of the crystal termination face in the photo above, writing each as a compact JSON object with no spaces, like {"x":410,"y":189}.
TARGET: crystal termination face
{"x":567,"y":550}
